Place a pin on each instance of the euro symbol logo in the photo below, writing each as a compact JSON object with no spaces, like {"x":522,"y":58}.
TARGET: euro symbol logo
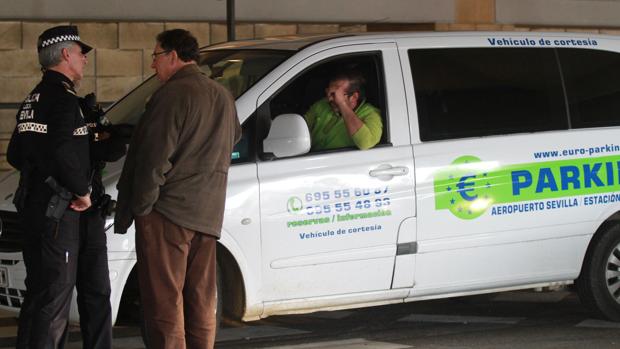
{"x":294,"y":204}
{"x":463,"y":188}
{"x":466,"y":187}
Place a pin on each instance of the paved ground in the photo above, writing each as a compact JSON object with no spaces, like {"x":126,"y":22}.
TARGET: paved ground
{"x":525,"y":319}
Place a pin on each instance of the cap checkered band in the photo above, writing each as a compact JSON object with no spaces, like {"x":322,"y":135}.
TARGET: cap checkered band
{"x":61,"y":38}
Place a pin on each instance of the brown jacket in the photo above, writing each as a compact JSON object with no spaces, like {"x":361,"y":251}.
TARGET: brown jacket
{"x":179,"y":155}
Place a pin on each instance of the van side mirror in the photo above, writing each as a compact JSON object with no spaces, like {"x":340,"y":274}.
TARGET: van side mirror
{"x":288,"y":136}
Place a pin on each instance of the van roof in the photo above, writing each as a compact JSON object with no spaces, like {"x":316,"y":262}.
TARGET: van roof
{"x":298,"y":42}
{"x":289,"y":42}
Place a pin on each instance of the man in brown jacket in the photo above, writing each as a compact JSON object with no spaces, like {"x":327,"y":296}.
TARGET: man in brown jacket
{"x":174,"y":185}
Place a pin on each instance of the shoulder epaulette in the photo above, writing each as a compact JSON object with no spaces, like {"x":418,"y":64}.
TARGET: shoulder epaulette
{"x":69,"y":88}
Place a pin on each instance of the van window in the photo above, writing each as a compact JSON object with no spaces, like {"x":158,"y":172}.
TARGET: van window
{"x":305,"y":92}
{"x":592,"y":81}
{"x":472,"y":92}
{"x":238,"y":70}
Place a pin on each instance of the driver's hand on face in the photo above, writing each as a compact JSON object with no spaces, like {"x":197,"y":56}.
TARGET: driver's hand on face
{"x":337,"y":94}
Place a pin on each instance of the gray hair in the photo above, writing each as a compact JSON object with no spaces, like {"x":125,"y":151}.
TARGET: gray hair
{"x":51,"y":56}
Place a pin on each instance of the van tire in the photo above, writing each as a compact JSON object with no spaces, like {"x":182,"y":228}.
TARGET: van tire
{"x":599,"y":283}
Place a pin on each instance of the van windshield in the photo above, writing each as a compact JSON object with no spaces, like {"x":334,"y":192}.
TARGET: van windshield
{"x":237,"y":70}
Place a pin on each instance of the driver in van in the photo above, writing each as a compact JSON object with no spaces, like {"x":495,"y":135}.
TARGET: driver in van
{"x":344,"y":118}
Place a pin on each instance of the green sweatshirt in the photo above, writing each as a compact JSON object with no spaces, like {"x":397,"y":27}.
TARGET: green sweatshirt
{"x":328,"y":130}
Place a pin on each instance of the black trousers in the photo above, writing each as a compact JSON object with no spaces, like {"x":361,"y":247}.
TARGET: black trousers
{"x":58,"y":257}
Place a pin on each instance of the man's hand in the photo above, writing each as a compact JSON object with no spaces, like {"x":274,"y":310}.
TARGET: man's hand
{"x":81,"y":203}
{"x":338,"y":97}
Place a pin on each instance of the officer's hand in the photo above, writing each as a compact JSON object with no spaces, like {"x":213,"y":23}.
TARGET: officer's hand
{"x":81,"y":203}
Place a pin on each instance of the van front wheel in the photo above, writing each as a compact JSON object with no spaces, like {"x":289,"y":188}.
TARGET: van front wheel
{"x":599,"y":282}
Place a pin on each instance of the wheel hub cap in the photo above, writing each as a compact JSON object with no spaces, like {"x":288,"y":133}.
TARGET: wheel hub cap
{"x":612,"y":274}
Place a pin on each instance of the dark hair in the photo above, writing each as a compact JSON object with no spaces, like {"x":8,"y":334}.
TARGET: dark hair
{"x":181,"y":41}
{"x":356,"y":80}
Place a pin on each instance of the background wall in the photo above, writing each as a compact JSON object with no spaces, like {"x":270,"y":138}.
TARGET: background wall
{"x":123,"y":32}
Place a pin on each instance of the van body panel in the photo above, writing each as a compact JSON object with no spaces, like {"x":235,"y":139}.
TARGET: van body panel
{"x":328,"y":233}
{"x":241,"y":227}
{"x":471,"y":269}
{"x":512,"y":242}
{"x":404,"y":265}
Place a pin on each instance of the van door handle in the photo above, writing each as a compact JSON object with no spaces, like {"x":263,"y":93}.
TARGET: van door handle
{"x":386,"y":172}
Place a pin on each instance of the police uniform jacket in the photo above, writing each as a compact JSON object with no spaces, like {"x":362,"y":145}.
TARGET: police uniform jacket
{"x":51,"y":138}
{"x":179,"y":155}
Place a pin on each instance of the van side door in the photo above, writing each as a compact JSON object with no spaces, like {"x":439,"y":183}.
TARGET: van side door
{"x":330,"y":219}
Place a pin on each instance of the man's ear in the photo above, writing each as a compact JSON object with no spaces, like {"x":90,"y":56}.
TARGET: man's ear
{"x":64,"y":53}
{"x":175,"y":56}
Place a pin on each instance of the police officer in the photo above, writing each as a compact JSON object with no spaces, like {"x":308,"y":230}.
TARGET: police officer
{"x":50,"y":148}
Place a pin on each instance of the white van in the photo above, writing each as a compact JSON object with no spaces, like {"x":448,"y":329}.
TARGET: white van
{"x":498,"y":169}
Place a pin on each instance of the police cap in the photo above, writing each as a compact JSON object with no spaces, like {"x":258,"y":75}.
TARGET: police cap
{"x":61,"y":33}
